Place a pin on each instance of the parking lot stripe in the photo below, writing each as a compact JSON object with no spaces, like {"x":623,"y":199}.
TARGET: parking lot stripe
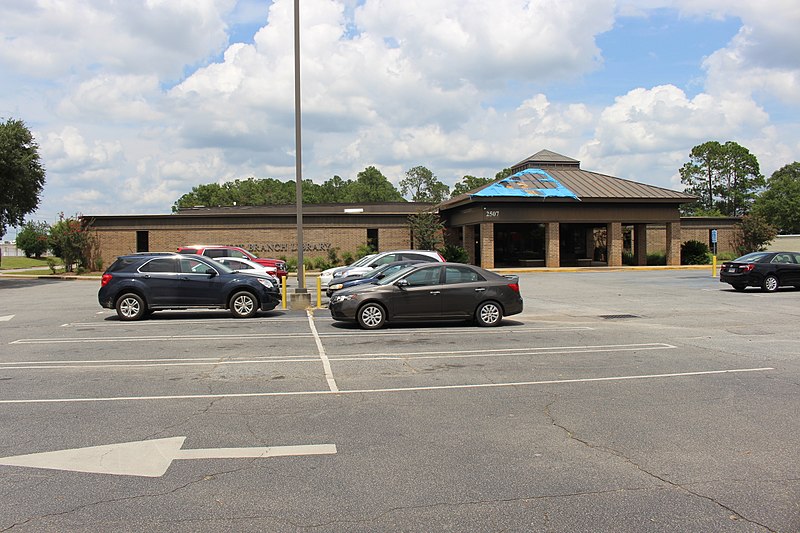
{"x":326,"y":364}
{"x":392,"y":390}
{"x":351,"y":334}
{"x":371,"y":356}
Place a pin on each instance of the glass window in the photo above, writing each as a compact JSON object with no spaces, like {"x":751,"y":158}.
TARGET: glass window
{"x":193,"y":266}
{"x":461,"y":275}
{"x":418,"y":257}
{"x":215,"y":252}
{"x":237,"y":253}
{"x":388,"y":258}
{"x":424,"y":277}
{"x":238,"y":265}
{"x":160,"y":265}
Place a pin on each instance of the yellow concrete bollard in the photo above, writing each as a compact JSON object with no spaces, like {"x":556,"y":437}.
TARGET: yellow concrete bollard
{"x":714,"y":266}
{"x":319,"y":292}
{"x":283,"y":291}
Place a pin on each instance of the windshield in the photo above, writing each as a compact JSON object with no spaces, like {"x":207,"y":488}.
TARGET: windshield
{"x":755,"y":257}
{"x":363,"y":260}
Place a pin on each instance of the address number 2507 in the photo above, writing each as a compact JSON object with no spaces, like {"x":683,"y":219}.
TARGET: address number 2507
{"x":492,"y":213}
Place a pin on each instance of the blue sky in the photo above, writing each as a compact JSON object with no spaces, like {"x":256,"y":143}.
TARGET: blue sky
{"x":135,"y":103}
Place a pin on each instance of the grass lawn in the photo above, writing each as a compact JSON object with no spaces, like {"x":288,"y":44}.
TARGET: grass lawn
{"x":24,"y":262}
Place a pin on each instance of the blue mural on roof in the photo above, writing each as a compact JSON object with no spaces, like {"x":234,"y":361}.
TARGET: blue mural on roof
{"x":531,"y":182}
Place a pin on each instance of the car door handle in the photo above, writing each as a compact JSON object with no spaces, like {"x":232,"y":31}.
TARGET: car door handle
{"x":481,"y":289}
{"x":435,"y":292}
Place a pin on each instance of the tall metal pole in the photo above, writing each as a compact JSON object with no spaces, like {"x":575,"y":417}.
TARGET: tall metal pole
{"x":301,"y":281}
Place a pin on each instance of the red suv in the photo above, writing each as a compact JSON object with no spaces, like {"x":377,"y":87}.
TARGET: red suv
{"x":234,"y":251}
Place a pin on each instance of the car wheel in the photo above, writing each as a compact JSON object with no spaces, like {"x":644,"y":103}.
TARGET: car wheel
{"x":770,"y":284}
{"x":131,"y":306}
{"x":739,"y":288}
{"x":488,"y":314}
{"x":243,"y":305}
{"x":371,"y":316}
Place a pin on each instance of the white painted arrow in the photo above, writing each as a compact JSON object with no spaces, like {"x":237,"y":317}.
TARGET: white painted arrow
{"x":148,"y":458}
{"x":6,"y":318}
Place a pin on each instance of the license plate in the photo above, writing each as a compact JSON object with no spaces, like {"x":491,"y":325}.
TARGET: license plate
{"x":732,"y":269}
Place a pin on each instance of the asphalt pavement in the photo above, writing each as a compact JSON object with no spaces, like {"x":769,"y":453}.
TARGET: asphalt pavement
{"x":629,"y":401}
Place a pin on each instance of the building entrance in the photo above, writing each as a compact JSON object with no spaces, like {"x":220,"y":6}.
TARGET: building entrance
{"x":519,"y":245}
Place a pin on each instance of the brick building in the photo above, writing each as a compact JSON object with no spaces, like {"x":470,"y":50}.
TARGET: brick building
{"x":549,"y":213}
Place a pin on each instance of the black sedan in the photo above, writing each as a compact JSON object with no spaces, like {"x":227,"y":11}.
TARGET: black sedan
{"x":430,"y":291}
{"x":371,"y":277}
{"x":768,"y":270}
{"x":138,"y":284}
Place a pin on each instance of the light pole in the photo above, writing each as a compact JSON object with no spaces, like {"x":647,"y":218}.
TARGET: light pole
{"x":301,"y":281}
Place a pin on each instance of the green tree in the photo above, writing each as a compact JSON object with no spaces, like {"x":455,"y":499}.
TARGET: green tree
{"x":32,"y":239}
{"x":503,"y":174}
{"x":725,"y":178}
{"x":469,"y":183}
{"x":70,"y":241}
{"x":423,"y":186}
{"x":779,"y":204}
{"x":22,"y":175}
{"x":755,"y":234}
{"x":372,"y":186}
{"x":426,"y":230}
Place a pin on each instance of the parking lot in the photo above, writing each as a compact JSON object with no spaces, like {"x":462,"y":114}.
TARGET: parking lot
{"x":626,"y":401}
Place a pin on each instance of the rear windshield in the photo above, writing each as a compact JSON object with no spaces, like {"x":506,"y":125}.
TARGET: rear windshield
{"x":121,"y":264}
{"x":187,"y":250}
{"x":755,"y":257}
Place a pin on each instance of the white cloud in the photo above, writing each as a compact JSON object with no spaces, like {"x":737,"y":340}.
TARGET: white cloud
{"x":136,"y":102}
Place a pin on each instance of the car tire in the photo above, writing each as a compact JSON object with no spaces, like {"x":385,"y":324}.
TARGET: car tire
{"x":770,"y":284}
{"x":371,"y":316}
{"x":243,"y":304}
{"x":489,"y":314}
{"x":131,"y":306}
{"x":738,"y":287}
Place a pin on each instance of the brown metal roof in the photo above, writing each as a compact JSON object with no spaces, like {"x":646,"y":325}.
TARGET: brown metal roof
{"x":587,"y":186}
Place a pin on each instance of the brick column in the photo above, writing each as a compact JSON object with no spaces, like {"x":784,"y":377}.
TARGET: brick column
{"x":673,"y":243}
{"x":468,"y":237}
{"x":614,"y":244}
{"x":640,"y":244}
{"x":487,"y":244}
{"x":552,"y":245}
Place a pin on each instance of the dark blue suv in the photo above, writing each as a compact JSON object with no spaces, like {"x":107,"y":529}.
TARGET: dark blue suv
{"x":138,"y":284}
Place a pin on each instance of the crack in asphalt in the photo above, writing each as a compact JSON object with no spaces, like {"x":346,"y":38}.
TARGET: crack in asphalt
{"x":205,"y":477}
{"x":571,"y":435}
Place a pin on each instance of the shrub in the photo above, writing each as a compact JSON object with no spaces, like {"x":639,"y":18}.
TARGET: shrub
{"x":70,"y":241}
{"x":320,"y":263}
{"x":52,"y":264}
{"x":363,"y":250}
{"x":455,"y":254}
{"x":694,"y":253}
{"x":657,"y":258}
{"x":333,"y":258}
{"x":291,"y":264}
{"x":627,"y":258}
{"x":726,"y":256}
{"x":347,"y":258}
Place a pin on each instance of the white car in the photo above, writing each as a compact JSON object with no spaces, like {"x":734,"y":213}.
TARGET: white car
{"x":364,"y":267}
{"x":245,"y":266}
{"x":326,"y":276}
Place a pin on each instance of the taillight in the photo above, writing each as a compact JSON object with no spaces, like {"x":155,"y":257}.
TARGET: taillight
{"x":514,"y":286}
{"x":105,"y":279}
{"x":748,"y":267}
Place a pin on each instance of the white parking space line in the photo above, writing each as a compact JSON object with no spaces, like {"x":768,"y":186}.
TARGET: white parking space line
{"x":171,"y":322}
{"x":326,"y":359}
{"x":326,"y":364}
{"x":391,"y":390}
{"x":250,"y":336}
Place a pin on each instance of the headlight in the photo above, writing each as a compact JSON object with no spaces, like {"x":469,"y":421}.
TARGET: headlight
{"x":335,"y":286}
{"x":267,"y":283}
{"x":342,"y":298}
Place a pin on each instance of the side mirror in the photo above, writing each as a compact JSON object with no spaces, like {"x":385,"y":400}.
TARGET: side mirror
{"x":402,"y":283}
{"x":211,"y":272}
{"x":380,"y":276}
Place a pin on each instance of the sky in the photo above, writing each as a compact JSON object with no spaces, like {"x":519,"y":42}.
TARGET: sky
{"x":134,"y":103}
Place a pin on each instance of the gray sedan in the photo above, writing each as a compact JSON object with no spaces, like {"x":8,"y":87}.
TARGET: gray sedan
{"x":430,"y":291}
